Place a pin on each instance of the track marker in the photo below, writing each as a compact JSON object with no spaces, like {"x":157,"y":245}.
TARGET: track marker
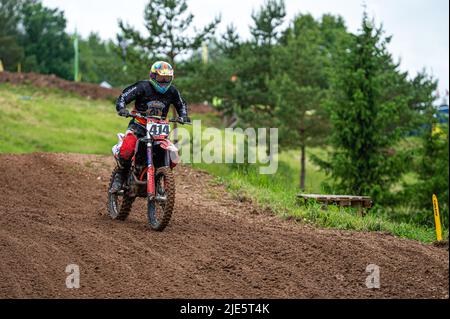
{"x":437,"y":218}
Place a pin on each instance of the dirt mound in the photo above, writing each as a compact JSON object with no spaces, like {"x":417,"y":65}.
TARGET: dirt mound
{"x":52,"y":213}
{"x":87,"y":90}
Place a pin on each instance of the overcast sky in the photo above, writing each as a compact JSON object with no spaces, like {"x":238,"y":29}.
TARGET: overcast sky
{"x":420,"y":28}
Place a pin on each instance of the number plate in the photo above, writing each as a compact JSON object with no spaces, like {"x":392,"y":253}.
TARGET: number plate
{"x":159,"y":129}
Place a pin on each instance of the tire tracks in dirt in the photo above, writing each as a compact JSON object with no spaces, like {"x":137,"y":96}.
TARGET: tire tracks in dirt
{"x":53,"y":213}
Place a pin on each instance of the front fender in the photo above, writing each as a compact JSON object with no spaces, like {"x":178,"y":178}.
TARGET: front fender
{"x":173,"y":152}
{"x":169,"y":146}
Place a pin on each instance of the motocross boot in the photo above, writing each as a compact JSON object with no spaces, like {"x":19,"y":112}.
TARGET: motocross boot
{"x":123,"y":168}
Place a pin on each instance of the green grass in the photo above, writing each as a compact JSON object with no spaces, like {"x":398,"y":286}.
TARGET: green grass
{"x":46,"y":120}
{"x":42,"y":120}
{"x":290,"y":169}
{"x":278,"y":193}
{"x":279,"y":196}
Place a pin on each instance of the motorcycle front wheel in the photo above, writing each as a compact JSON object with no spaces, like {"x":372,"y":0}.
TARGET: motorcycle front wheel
{"x":160,"y":208}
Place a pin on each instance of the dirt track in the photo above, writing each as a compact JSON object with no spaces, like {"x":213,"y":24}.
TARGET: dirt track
{"x":52,"y":213}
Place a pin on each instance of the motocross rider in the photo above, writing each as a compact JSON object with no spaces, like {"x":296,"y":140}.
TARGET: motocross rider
{"x":158,"y":88}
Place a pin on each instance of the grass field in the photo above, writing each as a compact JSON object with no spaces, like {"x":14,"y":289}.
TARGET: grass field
{"x":37,"y":120}
{"x":46,"y":120}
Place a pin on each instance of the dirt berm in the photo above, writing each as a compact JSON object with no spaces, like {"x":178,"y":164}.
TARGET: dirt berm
{"x":53,"y":213}
{"x":88,"y":90}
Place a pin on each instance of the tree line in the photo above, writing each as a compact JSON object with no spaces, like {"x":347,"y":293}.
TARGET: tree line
{"x":320,"y":84}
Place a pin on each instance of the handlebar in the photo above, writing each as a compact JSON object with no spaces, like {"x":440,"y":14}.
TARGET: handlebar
{"x":159,"y":118}
{"x":144,"y":116}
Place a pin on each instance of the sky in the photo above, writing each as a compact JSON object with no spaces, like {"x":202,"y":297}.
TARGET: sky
{"x":420,"y":28}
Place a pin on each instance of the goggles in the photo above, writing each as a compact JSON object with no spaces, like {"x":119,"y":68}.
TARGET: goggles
{"x":164,"y":78}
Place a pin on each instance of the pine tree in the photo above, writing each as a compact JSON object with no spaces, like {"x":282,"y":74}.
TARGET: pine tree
{"x":256,"y":105}
{"x":167,"y":23}
{"x":431,"y":164}
{"x":366,"y":105}
{"x":267,"y":21}
{"x":298,"y":85}
{"x":433,"y":171}
{"x":230,"y":42}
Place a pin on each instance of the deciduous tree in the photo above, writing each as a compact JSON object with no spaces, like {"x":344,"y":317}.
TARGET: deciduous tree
{"x":11,"y":52}
{"x":47,"y":46}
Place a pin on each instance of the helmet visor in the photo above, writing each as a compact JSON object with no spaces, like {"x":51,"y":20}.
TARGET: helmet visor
{"x":164,"y":78}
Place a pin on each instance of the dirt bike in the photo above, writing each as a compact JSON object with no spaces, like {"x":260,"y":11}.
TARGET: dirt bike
{"x":151,"y":175}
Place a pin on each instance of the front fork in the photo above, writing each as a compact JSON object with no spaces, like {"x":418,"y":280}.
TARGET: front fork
{"x":150,"y":172}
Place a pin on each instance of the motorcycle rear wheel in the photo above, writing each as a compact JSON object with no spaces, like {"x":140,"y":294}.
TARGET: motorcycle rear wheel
{"x":119,"y":204}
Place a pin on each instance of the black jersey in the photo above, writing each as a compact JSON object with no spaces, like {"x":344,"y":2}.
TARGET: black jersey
{"x":143,"y":92}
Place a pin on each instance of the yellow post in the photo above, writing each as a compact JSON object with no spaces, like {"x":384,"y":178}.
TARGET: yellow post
{"x":437,"y":218}
{"x":205,"y":53}
{"x":19,"y":67}
{"x":1,"y":66}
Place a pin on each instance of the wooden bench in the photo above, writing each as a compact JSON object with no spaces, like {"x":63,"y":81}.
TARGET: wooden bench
{"x":361,"y":202}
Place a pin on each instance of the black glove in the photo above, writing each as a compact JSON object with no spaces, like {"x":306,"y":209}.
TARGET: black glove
{"x":184,"y":120}
{"x":124,"y":112}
